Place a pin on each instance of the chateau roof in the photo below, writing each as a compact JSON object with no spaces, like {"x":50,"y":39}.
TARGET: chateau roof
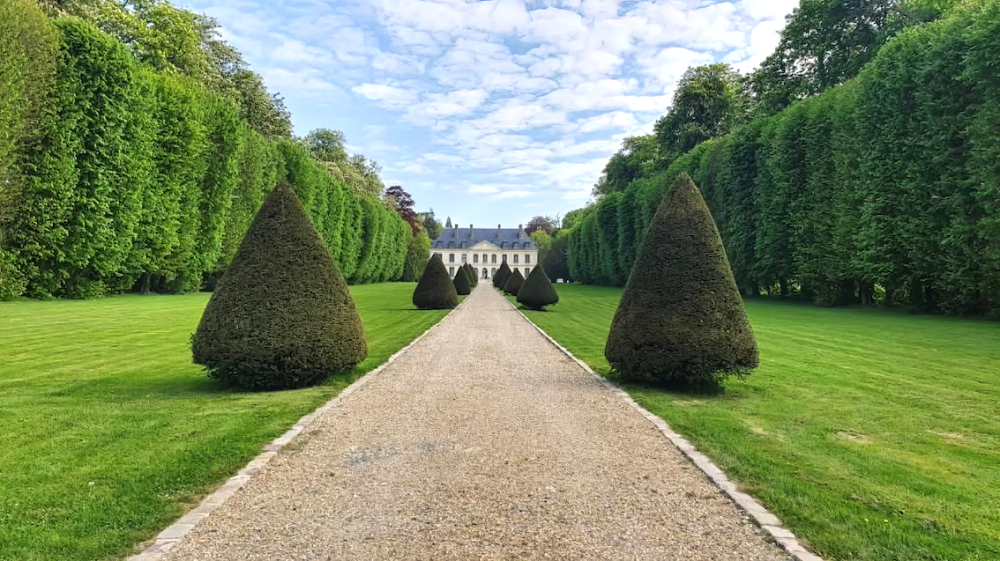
{"x":504,"y":238}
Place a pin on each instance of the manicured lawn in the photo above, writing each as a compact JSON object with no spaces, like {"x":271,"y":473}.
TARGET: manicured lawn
{"x":871,"y":434}
{"x":108,"y":432}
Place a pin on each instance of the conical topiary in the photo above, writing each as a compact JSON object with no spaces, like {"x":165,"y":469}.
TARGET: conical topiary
{"x":435,"y":290}
{"x":461,"y":281}
{"x":681,"y":318}
{"x":473,"y":274}
{"x":537,"y":290}
{"x":501,"y":276}
{"x":281,"y":316}
{"x":513,"y":283}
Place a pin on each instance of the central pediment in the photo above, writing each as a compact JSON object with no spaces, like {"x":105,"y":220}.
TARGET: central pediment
{"x":484,"y":246}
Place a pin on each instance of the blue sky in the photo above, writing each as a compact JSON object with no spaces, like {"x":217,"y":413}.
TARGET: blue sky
{"x":496,"y":111}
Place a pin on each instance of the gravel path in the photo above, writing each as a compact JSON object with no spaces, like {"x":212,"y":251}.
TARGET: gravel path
{"x":482,"y":441}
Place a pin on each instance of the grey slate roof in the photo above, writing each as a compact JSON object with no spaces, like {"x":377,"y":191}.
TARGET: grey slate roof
{"x":504,"y":238}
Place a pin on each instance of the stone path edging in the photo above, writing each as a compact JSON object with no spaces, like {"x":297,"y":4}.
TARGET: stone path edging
{"x":168,"y":540}
{"x":761,"y":516}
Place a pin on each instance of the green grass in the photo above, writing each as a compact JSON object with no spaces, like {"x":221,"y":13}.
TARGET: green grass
{"x":872,"y":434}
{"x":109,"y":432}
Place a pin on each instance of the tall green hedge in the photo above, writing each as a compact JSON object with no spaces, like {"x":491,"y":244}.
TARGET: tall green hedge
{"x":885,"y":189}
{"x":29,"y":46}
{"x":117,"y":176}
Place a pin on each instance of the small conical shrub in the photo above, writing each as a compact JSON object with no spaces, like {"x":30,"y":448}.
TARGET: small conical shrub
{"x":537,"y":290}
{"x":501,"y":276}
{"x":461,"y":281}
{"x":681,"y":318}
{"x":281,"y":316}
{"x":473,"y":274}
{"x":513,"y":283}
{"x":435,"y":290}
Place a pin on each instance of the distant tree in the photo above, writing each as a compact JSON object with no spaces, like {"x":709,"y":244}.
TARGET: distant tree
{"x":708,"y":103}
{"x":282,"y":316}
{"x":635,"y":159}
{"x":404,"y":206}
{"x":826,"y":42}
{"x":573,"y":217}
{"x":417,"y":254}
{"x":174,"y":40}
{"x":431,"y":224}
{"x":543,"y":242}
{"x":555,"y":260}
{"x":326,"y":145}
{"x":435,"y":289}
{"x":681,"y":318}
{"x":541,"y":223}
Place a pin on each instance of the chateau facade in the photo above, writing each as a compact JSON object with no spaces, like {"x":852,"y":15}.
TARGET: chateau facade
{"x":486,"y":249}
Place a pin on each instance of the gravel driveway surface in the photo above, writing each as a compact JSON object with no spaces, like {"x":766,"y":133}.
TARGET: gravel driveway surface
{"x":482,"y":441}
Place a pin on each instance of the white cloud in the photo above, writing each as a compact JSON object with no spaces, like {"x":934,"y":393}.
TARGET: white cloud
{"x":387,"y":96}
{"x":498,"y":98}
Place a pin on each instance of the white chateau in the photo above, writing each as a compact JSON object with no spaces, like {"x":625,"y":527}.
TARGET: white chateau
{"x":485,"y":249}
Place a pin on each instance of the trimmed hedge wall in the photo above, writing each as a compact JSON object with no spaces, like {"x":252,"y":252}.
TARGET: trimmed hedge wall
{"x":885,"y":189}
{"x":126,"y":178}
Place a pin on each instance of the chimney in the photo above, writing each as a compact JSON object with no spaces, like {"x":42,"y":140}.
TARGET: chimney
{"x":498,"y":231}
{"x":520,"y":230}
{"x":470,"y":230}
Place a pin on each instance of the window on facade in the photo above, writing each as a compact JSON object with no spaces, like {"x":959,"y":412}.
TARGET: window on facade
{"x":484,"y":259}
{"x":475,"y":258}
{"x":451,"y":257}
{"x":504,"y":257}
{"x":515,"y":258}
{"x":493,"y":271}
{"x":486,"y":274}
{"x":526,"y":271}
{"x":494,"y":258}
{"x":465,"y":257}
{"x":451,"y":271}
{"x":527,"y":259}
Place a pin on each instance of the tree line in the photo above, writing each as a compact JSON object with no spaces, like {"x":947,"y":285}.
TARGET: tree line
{"x":883,"y":188}
{"x":135,"y":149}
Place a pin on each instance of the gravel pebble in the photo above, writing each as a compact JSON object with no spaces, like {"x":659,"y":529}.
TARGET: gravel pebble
{"x":482,"y":441}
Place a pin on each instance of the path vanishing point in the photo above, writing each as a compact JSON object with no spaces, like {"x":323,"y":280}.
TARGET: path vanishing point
{"x":481,"y":441}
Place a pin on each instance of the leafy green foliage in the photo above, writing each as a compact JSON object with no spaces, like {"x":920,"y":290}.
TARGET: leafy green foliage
{"x":883,"y":189}
{"x":708,"y":103}
{"x":418,"y":251}
{"x":282,"y":316}
{"x":29,"y":43}
{"x":537,"y":290}
{"x":120,"y":173}
{"x":435,"y":290}
{"x":681,"y":318}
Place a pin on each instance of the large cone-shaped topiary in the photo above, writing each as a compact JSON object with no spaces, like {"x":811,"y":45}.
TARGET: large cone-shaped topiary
{"x":435,"y":290}
{"x":473,"y":274}
{"x":501,"y":276}
{"x":461,"y":281}
{"x":514,"y":282}
{"x":681,"y":318}
{"x":537,"y":290}
{"x":281,"y":316}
